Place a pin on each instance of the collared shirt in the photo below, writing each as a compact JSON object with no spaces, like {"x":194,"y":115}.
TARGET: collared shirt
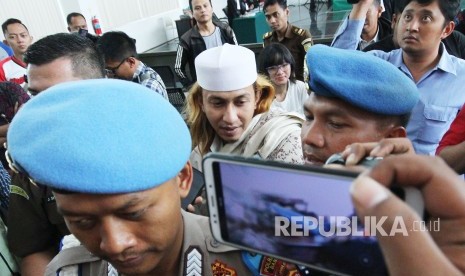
{"x":456,"y":133}
{"x":34,"y":223}
{"x":441,"y":91}
{"x":149,"y":78}
{"x":348,"y":36}
{"x":201,"y":254}
{"x":363,"y":43}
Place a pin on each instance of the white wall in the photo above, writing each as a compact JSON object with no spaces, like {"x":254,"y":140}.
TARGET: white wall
{"x":150,"y":22}
{"x":152,"y":31}
{"x":40,"y":17}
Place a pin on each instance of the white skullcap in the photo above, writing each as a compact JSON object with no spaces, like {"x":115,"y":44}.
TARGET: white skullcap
{"x":226,"y":68}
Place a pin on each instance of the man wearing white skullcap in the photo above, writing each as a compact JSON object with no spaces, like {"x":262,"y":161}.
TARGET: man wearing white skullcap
{"x":228,"y":110}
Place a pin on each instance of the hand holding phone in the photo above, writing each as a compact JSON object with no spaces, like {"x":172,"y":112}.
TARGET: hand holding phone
{"x":299,"y":214}
{"x":428,"y":249}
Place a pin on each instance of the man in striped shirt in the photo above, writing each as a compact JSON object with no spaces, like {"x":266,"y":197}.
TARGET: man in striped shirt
{"x":121,"y":62}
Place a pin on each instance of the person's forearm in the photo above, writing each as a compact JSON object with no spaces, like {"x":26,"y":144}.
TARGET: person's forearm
{"x":359,"y":10}
{"x":36,"y":263}
{"x":454,"y":157}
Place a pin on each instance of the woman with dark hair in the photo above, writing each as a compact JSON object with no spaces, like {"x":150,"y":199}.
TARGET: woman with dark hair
{"x":278,"y":64}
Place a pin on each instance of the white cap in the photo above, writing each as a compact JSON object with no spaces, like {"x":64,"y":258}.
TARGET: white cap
{"x":226,"y":68}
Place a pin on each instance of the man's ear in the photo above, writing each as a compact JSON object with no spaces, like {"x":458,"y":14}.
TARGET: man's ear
{"x":69,"y":29}
{"x":185,"y":177}
{"x":380,"y":11}
{"x":396,"y":132}
{"x":448,"y":29}
{"x":132,"y":61}
{"x":6,"y":42}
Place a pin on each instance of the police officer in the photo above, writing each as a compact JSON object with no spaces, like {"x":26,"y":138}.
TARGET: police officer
{"x":377,"y":106}
{"x":34,"y":227}
{"x":120,"y":191}
{"x":297,"y":40}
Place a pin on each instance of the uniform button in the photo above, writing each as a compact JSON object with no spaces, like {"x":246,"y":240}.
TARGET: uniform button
{"x":214,"y":243}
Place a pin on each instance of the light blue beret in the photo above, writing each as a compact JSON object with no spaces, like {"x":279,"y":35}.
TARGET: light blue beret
{"x":99,"y":136}
{"x":360,"y":79}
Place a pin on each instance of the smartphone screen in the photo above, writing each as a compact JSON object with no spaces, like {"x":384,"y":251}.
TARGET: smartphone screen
{"x":297,"y":215}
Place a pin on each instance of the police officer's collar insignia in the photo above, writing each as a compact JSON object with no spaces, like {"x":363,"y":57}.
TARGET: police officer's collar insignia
{"x":221,"y":269}
{"x":193,"y":261}
{"x":112,"y":271}
{"x":18,"y":191}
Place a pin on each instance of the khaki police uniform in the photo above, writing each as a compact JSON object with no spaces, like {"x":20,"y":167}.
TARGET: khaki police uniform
{"x":298,"y":41}
{"x":34,"y":224}
{"x":201,"y":252}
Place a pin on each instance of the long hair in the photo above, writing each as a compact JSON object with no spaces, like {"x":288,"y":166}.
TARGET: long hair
{"x":201,"y":131}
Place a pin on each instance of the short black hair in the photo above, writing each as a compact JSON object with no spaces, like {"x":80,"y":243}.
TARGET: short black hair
{"x":276,"y":54}
{"x":192,"y":9}
{"x":71,"y":15}
{"x":116,"y":46}
{"x":11,"y":21}
{"x":86,"y":60}
{"x":449,"y":8}
{"x":282,"y":3}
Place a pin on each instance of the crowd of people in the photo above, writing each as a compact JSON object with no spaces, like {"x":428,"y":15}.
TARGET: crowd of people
{"x":97,"y":160}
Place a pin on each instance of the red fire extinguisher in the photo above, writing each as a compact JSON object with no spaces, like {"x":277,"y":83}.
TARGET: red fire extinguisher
{"x":96,"y":26}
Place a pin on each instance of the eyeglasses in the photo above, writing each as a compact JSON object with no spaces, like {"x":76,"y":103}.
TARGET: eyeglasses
{"x":111,"y":71}
{"x":274,"y":69}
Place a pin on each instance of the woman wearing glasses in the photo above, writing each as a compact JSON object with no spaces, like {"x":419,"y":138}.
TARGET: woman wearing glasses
{"x":279,"y":65}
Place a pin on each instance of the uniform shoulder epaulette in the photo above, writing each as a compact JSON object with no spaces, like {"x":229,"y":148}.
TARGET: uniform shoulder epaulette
{"x":267,"y":35}
{"x":298,"y":31}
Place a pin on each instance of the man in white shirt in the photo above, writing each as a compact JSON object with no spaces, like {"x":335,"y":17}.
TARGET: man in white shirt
{"x":17,"y":37}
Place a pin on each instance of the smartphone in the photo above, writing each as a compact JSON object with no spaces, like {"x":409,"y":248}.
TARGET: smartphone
{"x":295,"y":213}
